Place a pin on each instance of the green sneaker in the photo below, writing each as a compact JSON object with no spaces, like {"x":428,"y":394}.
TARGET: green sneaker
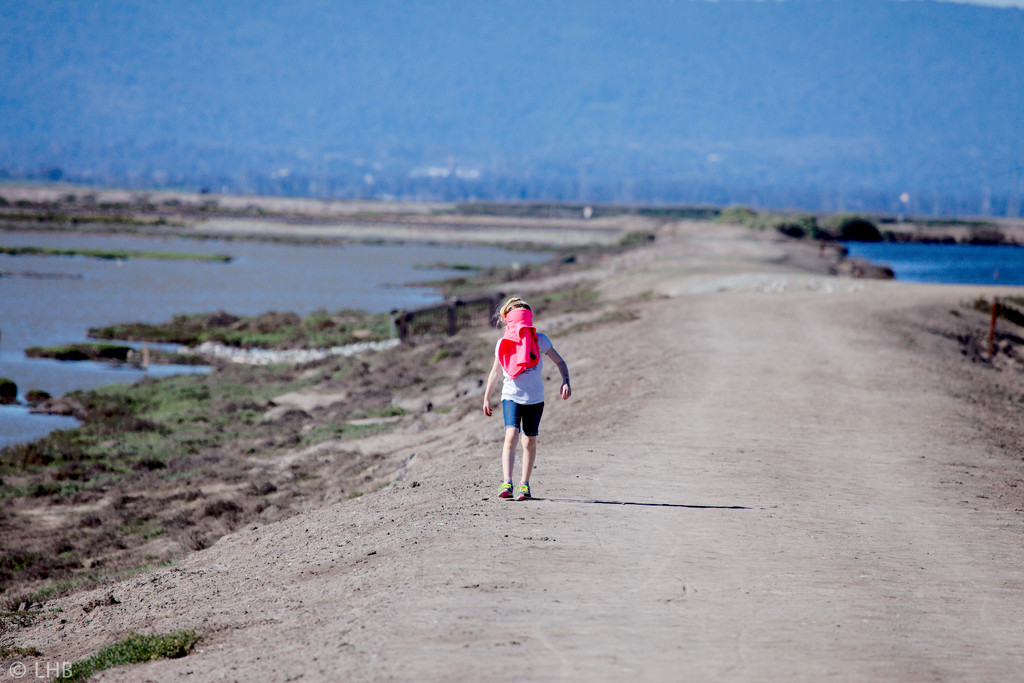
{"x":506,"y":490}
{"x":524,"y":492}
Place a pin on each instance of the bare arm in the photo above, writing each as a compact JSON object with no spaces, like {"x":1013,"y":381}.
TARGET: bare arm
{"x":492,"y":379}
{"x":563,"y":369}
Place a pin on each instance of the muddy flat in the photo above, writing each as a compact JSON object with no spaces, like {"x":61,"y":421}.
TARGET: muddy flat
{"x":764,"y":474}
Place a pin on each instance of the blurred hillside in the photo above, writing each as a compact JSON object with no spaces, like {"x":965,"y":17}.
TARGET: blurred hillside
{"x":823,"y":105}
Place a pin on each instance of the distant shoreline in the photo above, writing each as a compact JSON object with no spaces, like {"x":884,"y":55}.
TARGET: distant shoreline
{"x":530,"y":224}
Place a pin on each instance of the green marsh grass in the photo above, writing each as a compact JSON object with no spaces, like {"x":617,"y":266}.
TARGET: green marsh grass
{"x":156,"y":424}
{"x":268,"y":331}
{"x":114,"y":254}
{"x":76,"y":352}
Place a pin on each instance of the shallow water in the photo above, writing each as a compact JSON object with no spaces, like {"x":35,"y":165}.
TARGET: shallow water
{"x":68,"y":295}
{"x":18,"y":425}
{"x":946,"y":263}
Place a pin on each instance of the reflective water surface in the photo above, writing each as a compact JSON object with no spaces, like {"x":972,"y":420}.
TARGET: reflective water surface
{"x":46,"y":301}
{"x":946,"y":263}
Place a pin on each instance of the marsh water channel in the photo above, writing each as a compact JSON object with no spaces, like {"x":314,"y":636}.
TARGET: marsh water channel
{"x":966,"y":264}
{"x":54,"y":300}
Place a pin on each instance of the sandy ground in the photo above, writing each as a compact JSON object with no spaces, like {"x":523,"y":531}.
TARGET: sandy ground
{"x":767,"y":475}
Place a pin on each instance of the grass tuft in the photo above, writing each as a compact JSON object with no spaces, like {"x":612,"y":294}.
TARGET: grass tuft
{"x":135,"y":649}
{"x":1004,"y":310}
{"x":18,"y":651}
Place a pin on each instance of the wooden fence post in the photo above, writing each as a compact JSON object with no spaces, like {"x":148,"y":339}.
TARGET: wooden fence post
{"x":453,"y":317}
{"x":401,"y":319}
{"x":496,"y":302}
{"x":399,"y":324}
{"x":992,"y":328}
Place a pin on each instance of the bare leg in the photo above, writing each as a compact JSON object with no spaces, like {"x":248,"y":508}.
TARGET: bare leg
{"x":529,"y":455}
{"x":508,"y":452}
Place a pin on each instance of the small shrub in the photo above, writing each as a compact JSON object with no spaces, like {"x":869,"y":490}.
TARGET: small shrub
{"x":852,"y":228}
{"x":263,"y":488}
{"x":18,"y":651}
{"x":1003,"y":310}
{"x":8,"y":391}
{"x":636,"y":238}
{"x":15,"y":561}
{"x":44,"y":488}
{"x":90,"y":521}
{"x":36,"y":396}
{"x":219,"y":508}
{"x":797,"y":226}
{"x":736,"y":214}
{"x":986,"y":235}
{"x":439,"y":356}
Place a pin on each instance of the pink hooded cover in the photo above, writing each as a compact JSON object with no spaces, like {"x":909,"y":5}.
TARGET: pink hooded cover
{"x":518,"y":350}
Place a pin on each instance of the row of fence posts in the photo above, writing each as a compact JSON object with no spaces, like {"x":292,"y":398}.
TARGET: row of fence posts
{"x":401,"y":319}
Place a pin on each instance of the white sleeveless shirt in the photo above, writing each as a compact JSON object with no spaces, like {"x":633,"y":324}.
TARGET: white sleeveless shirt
{"x":527,"y":387}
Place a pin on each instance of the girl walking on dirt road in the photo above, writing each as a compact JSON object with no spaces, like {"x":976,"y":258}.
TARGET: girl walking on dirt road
{"x":518,"y":357}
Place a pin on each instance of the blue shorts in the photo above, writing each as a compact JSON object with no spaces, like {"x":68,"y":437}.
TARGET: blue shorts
{"x":528,"y":416}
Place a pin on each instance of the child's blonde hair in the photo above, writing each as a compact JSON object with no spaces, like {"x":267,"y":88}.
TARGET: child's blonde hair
{"x":511,"y":304}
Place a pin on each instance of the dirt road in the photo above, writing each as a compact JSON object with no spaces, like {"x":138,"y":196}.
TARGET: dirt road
{"x":768,"y":475}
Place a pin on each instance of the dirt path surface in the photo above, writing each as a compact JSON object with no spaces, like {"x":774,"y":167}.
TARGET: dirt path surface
{"x":765,"y":475}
